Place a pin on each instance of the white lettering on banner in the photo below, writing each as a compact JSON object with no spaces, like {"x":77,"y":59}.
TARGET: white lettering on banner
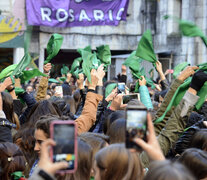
{"x":62,"y":15}
{"x":111,"y":15}
{"x":46,"y":13}
{"x":98,"y":15}
{"x":59,"y":13}
{"x":72,"y":17}
{"x":118,"y":17}
{"x":83,"y":15}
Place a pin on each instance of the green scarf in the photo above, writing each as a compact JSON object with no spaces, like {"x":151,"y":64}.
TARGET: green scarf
{"x":180,"y":92}
{"x":134,"y":64}
{"x":90,"y":62}
{"x":104,"y":54}
{"x":189,"y":29}
{"x":53,"y":46}
{"x":180,"y":67}
{"x":17,"y":175}
{"x":64,"y":70}
{"x":145,"y":48}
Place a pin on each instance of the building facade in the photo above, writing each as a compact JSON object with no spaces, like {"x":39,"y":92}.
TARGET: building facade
{"x":171,"y":48}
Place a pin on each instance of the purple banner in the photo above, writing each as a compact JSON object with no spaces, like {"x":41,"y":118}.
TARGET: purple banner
{"x":69,"y":13}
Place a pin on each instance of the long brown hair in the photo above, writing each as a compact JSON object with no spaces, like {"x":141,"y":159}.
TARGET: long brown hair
{"x":11,"y":160}
{"x":8,"y":109}
{"x":114,"y":161}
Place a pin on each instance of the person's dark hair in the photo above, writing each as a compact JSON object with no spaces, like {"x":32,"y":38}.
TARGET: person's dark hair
{"x":8,"y":108}
{"x":24,"y":138}
{"x":199,"y":140}
{"x":167,"y":170}
{"x":117,"y":131}
{"x":95,"y":140}
{"x":44,"y":122}
{"x":196,"y":161}
{"x":11,"y":160}
{"x":85,"y":160}
{"x":111,"y":118}
{"x":42,"y":108}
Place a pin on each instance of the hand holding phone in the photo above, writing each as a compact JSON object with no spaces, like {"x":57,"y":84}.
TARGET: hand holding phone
{"x":64,"y":133}
{"x":136,"y":125}
{"x":152,"y":146}
{"x":59,"y":91}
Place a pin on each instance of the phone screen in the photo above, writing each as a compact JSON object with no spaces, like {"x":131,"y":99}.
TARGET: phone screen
{"x":64,"y":135}
{"x":136,"y":126}
{"x":121,"y":88}
{"x":59,"y":91}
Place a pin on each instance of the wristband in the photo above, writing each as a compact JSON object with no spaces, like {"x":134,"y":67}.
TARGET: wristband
{"x":91,"y":90}
{"x":10,"y":90}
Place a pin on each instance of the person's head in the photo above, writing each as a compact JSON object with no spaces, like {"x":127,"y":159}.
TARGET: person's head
{"x":117,"y":131}
{"x":167,"y":170}
{"x":85,"y":160}
{"x":96,"y":140}
{"x":111,"y":118}
{"x":8,"y":109}
{"x":29,"y":89}
{"x":44,"y":107}
{"x":199,"y":140}
{"x":42,"y":130}
{"x":24,"y":138}
{"x":196,"y":161}
{"x":11,"y":160}
{"x":116,"y":162}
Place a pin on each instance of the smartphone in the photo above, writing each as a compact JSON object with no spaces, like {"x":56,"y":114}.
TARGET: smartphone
{"x":129,"y":97}
{"x":64,"y":133}
{"x":121,"y":88}
{"x":136,"y":125}
{"x":59,"y":91}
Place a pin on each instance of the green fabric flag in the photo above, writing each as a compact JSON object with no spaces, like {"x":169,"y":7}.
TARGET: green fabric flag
{"x":76,"y":64}
{"x":134,"y":63}
{"x":27,"y":75}
{"x":180,"y":67}
{"x":189,"y":29}
{"x":87,"y":48}
{"x":17,"y":175}
{"x":109,"y":89}
{"x":52,"y":80}
{"x":90,"y":62}
{"x":104,"y":54}
{"x":25,"y":61}
{"x":19,"y":91}
{"x":64,"y":70}
{"x":7,"y":71}
{"x":62,"y":79}
{"x":151,"y":73}
{"x":180,"y":92}
{"x":53,"y":46}
{"x":145,"y":48}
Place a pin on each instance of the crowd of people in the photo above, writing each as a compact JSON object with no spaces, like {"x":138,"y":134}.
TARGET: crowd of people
{"x":175,"y":147}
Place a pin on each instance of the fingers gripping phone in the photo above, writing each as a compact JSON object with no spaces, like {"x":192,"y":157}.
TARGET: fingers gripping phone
{"x":136,"y":125}
{"x":64,"y":133}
